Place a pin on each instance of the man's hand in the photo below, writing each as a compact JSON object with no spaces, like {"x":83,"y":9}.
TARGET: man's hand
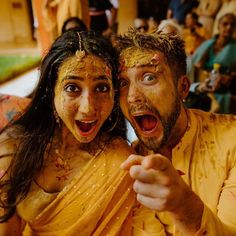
{"x":160,"y":187}
{"x":157,"y":183}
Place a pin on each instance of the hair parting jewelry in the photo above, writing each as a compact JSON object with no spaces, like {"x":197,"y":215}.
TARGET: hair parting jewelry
{"x":80,"y":53}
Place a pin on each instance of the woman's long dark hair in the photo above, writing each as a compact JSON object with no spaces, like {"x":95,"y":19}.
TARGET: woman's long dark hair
{"x":38,"y":123}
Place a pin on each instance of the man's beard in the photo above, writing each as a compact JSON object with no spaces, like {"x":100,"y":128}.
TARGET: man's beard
{"x":167,"y":122}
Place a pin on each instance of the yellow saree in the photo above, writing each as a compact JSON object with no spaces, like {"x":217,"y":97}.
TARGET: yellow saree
{"x":98,"y":201}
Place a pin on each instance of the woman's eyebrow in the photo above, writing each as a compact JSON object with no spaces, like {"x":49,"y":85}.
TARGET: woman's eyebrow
{"x":72,"y":77}
{"x":76,"y":77}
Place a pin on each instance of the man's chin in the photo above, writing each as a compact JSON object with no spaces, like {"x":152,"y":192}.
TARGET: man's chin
{"x":151,"y":143}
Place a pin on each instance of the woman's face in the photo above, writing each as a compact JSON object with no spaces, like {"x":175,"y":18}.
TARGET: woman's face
{"x":84,"y":95}
{"x":189,"y":21}
{"x":227,"y":26}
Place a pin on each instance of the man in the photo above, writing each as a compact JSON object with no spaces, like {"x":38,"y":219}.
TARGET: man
{"x":185,"y":168}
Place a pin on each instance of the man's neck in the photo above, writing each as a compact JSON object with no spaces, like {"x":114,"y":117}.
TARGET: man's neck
{"x":176,"y":134}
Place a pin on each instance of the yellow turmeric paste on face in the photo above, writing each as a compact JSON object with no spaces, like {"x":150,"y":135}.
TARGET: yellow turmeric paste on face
{"x":132,"y":57}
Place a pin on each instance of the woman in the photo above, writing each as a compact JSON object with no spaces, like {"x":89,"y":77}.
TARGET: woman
{"x":207,"y":10}
{"x":193,"y":33}
{"x":221,"y":49}
{"x":59,"y":162}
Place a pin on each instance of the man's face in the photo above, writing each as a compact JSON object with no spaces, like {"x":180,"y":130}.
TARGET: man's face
{"x":148,"y":96}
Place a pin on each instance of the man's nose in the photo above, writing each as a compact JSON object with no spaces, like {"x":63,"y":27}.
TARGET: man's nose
{"x":134,"y":94}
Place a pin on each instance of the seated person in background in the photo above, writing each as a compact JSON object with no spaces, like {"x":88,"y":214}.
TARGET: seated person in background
{"x":141,"y":25}
{"x":193,"y":33}
{"x":74,"y":22}
{"x":59,"y":162}
{"x":170,"y":26}
{"x":227,"y":6}
{"x":185,"y":169}
{"x":220,"y":49}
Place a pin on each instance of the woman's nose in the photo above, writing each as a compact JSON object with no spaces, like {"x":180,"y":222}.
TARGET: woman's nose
{"x":87,"y":105}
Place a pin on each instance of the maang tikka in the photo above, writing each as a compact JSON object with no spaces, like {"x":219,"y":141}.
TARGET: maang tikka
{"x":80,"y":54}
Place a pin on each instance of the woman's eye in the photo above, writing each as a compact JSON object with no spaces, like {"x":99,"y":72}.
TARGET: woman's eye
{"x":71,"y":88}
{"x":149,"y":78}
{"x":103,"y":88}
{"x":123,"y":83}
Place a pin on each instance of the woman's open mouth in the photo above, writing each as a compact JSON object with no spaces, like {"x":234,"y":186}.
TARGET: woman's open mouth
{"x":146,"y":123}
{"x":86,"y":127}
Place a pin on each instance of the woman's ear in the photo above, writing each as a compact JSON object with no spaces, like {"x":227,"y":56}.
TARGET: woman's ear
{"x":183,"y":87}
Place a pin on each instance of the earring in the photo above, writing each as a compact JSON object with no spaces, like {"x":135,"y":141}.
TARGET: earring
{"x":112,"y":125}
{"x":57,"y":118}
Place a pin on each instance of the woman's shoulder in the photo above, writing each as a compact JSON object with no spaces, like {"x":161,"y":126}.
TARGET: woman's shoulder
{"x":7,"y":143}
{"x":7,"y":149}
{"x":120,"y":146}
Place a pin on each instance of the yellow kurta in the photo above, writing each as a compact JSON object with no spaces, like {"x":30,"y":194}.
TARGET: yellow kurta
{"x":207,"y":157}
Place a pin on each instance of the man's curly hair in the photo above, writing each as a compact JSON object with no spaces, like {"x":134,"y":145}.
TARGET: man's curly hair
{"x":171,"y":45}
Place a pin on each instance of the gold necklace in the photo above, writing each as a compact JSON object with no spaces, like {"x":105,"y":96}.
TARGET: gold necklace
{"x":62,"y":164}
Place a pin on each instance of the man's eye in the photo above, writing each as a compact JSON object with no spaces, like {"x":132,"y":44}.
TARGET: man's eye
{"x":103,"y":88}
{"x":149,"y":78}
{"x":71,"y":88}
{"x":123,"y":83}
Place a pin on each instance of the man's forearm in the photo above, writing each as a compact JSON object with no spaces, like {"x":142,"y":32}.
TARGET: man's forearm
{"x":187,"y":218}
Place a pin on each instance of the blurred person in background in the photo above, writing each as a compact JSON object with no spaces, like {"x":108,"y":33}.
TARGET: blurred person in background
{"x":227,"y":6}
{"x":207,"y":10}
{"x":141,"y":25}
{"x":221,"y":49}
{"x":98,"y":17}
{"x":193,"y":33}
{"x":74,"y":23}
{"x":178,"y":9}
{"x":56,"y":12}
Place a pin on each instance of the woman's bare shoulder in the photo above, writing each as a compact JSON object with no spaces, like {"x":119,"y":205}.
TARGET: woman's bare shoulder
{"x":8,"y":143}
{"x":120,"y":146}
{"x":8,"y":146}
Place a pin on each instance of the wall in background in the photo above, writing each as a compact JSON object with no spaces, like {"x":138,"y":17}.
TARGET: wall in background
{"x":15,"y":22}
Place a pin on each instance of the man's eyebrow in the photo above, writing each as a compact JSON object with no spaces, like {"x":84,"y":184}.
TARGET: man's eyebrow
{"x":147,"y":65}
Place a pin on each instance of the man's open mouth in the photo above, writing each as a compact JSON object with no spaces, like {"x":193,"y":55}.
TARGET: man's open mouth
{"x":86,"y":127}
{"x":146,"y":123}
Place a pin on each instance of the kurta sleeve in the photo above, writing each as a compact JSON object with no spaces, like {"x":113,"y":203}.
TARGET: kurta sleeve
{"x":224,"y":222}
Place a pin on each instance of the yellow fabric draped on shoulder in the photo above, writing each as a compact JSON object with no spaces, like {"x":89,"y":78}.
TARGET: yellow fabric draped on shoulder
{"x":98,"y":201}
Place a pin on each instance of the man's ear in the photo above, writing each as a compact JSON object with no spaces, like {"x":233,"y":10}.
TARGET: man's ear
{"x":183,"y":87}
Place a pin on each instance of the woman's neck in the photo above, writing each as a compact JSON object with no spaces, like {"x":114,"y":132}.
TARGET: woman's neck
{"x":222,"y":41}
{"x":66,"y":140}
